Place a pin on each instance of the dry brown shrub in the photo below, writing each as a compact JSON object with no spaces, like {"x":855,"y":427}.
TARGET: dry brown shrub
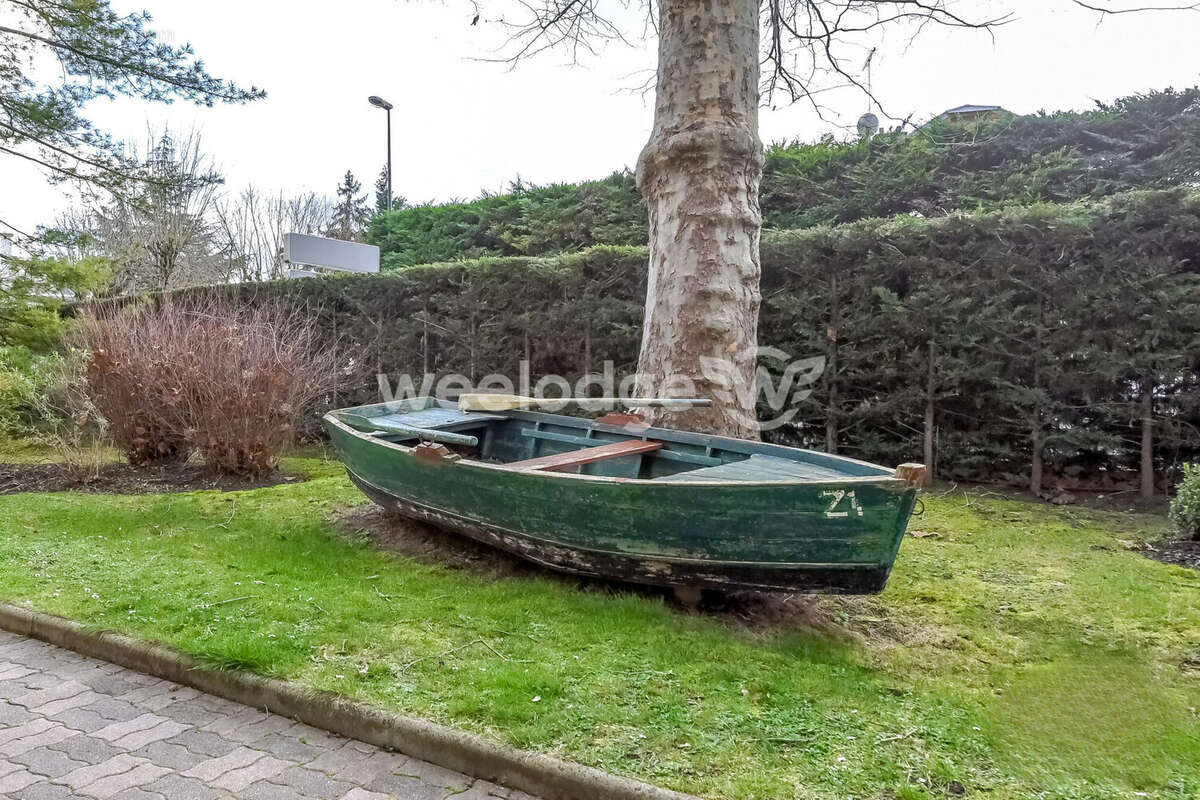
{"x":130,"y":380}
{"x":232,"y":382}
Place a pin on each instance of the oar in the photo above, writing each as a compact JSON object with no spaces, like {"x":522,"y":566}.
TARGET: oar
{"x":361,"y":423}
{"x":511,"y":402}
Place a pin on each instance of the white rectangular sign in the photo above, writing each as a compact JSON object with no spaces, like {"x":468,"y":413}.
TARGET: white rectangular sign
{"x":302,"y":250}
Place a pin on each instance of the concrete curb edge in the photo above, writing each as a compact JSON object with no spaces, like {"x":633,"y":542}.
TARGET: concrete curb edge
{"x":545,"y":776}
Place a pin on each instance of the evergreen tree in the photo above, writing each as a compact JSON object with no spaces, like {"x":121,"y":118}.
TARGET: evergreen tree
{"x":381,"y":193}
{"x":39,"y":283}
{"x":99,"y":52}
{"x":351,"y":213}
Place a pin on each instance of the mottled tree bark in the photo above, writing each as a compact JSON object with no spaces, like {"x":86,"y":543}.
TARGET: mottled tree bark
{"x":700,"y":175}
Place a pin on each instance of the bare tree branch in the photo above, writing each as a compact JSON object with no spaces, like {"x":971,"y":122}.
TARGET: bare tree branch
{"x":573,"y":25}
{"x":1135,"y":10}
{"x":808,"y":46}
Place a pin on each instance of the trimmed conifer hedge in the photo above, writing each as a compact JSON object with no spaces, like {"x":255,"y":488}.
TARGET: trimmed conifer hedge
{"x":1145,"y":141}
{"x":988,"y":338}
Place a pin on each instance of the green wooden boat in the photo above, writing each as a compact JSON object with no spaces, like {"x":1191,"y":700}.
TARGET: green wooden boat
{"x":623,"y":501}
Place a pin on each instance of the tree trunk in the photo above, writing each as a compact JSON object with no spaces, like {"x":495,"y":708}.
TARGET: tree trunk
{"x":832,"y":419}
{"x":1147,"y":466}
{"x":930,"y":411}
{"x":425,"y":342}
{"x":1037,"y":438}
{"x":587,"y":351}
{"x":831,"y":411}
{"x":1036,"y":442}
{"x":927,"y":448}
{"x":699,"y":175}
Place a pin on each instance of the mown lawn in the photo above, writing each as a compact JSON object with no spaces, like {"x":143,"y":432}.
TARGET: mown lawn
{"x":1024,"y":651}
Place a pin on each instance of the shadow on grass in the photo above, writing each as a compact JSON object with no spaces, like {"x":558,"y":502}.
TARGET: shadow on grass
{"x":427,"y":544}
{"x":120,"y":478}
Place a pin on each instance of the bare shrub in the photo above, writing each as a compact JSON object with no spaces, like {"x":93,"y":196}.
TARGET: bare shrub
{"x":251,"y":375}
{"x":230,"y":381}
{"x":131,"y":378}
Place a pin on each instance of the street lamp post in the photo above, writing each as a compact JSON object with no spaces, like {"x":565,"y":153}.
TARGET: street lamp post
{"x":379,"y":102}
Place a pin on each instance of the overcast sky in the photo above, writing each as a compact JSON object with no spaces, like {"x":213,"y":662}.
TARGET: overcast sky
{"x":462,"y":125}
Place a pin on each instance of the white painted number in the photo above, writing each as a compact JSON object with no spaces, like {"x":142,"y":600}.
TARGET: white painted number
{"x":838,"y":496}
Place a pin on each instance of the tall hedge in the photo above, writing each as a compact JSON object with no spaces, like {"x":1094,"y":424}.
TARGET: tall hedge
{"x":1013,"y":340}
{"x":1140,"y":142}
{"x":998,"y":340}
{"x":526,"y":221}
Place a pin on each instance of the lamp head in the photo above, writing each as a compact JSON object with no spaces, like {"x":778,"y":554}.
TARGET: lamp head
{"x":379,"y":102}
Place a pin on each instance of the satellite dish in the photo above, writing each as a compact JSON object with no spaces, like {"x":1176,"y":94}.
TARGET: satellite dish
{"x":868,"y":124}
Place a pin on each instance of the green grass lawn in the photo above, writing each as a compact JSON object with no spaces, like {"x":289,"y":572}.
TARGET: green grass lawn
{"x":1024,"y":651}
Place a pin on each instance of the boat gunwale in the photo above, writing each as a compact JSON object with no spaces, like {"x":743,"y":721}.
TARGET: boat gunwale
{"x":882,"y":479}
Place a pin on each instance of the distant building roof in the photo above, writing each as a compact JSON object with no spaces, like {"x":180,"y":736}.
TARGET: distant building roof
{"x":967,"y":113}
{"x":969,"y":109}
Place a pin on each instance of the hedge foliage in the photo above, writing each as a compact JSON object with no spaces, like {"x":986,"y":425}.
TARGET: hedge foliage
{"x":529,"y":220}
{"x":1185,"y":506}
{"x":1020,"y":331}
{"x":1140,"y":142}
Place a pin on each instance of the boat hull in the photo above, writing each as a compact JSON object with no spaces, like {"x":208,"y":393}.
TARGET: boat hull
{"x":761,"y":536}
{"x":653,"y":570}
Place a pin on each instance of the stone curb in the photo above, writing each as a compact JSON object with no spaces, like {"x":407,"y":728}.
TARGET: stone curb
{"x":547,"y":777}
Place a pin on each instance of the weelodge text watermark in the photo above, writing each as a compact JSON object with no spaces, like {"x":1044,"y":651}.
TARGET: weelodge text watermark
{"x":780,"y":384}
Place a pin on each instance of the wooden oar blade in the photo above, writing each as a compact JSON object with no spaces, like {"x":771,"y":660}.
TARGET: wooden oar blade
{"x":491,"y":402}
{"x":511,"y":402}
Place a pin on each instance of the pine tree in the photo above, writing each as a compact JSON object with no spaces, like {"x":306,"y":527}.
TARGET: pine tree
{"x":100,"y":53}
{"x":350,"y":215}
{"x":381,"y":193}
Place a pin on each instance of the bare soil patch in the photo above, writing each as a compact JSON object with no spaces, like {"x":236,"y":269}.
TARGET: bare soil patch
{"x":425,"y":543}
{"x":123,"y":479}
{"x":1184,"y":552}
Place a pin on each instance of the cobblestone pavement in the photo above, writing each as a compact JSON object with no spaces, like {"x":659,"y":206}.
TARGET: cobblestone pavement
{"x":74,"y":727}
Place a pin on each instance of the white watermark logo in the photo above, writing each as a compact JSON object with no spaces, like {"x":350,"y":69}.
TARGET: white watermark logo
{"x":779,"y":384}
{"x":781,"y":396}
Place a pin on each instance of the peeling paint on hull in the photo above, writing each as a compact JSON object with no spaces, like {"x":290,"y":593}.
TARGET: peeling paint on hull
{"x":817,"y":578}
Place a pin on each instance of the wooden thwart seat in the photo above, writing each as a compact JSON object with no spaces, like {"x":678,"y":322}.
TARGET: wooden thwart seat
{"x":587,"y":455}
{"x":437,"y":418}
{"x":756,"y":468}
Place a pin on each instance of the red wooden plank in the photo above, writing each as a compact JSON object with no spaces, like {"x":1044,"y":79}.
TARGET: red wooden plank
{"x":587,"y":455}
